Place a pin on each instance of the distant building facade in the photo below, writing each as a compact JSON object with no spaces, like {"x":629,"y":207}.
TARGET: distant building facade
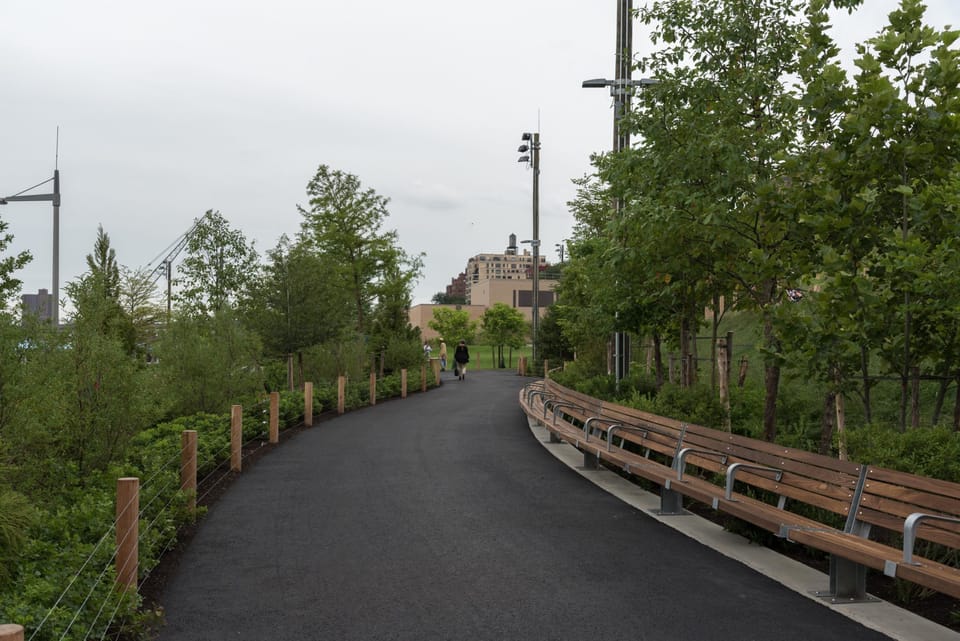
{"x":494,"y":278}
{"x":458,"y":286}
{"x":39,"y":305}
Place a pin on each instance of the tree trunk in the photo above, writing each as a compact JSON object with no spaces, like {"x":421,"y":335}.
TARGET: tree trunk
{"x":865,"y":372}
{"x":714,"y":335}
{"x":300,"y":366}
{"x":684,"y":352}
{"x":771,"y":378}
{"x":827,"y":423}
{"x":915,"y":397}
{"x":723,"y":369}
{"x":904,"y":394}
{"x":658,"y":360}
{"x":291,"y":382}
{"x":941,"y":397}
{"x":956,"y":408}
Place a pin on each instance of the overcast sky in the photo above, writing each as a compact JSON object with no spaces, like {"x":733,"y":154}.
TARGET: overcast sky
{"x":168,"y":109}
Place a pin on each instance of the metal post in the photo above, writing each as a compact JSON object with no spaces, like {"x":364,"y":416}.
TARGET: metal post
{"x":621,"y":141}
{"x":56,"y":248}
{"x":536,"y":245}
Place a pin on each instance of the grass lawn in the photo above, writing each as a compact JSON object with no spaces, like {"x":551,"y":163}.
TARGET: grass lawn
{"x":483,"y":356}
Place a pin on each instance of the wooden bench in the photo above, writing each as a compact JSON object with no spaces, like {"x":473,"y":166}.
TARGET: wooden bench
{"x":864,"y":517}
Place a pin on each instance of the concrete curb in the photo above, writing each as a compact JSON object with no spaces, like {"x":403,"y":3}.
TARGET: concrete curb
{"x":881,"y":616}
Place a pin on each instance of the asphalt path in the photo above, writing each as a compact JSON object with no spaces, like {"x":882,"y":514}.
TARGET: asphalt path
{"x":441,"y":517}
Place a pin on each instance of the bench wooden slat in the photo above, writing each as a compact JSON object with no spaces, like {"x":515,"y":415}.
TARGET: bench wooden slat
{"x":798,"y":479}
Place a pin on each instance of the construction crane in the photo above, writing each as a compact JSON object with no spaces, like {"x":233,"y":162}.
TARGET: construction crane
{"x":166,"y":257}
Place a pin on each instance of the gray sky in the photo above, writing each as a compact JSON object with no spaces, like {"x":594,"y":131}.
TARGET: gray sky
{"x":167,"y":109}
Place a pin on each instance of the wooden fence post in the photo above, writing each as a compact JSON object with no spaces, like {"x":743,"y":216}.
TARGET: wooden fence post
{"x":274,"y":417}
{"x":236,"y":437}
{"x":188,"y":467}
{"x":308,"y":404}
{"x":435,"y":365}
{"x":341,"y":394}
{"x":128,"y":534}
{"x":423,"y":377}
{"x":403,"y":383}
{"x":373,"y":387}
{"x":11,"y":632}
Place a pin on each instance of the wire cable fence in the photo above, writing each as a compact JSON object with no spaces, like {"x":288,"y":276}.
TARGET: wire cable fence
{"x":93,"y":605}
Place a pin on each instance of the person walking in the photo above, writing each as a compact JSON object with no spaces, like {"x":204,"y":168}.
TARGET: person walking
{"x":443,"y":356}
{"x":426,"y":350}
{"x":462,"y":356}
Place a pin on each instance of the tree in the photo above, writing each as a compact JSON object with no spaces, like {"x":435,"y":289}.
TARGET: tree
{"x":876,"y":185}
{"x":102,"y":264}
{"x":453,"y":325}
{"x":216,"y":268}
{"x":103,"y":280}
{"x":713,"y":134}
{"x":504,"y":326}
{"x":138,"y":302}
{"x":292,"y":305}
{"x":10,"y":286}
{"x":207,"y":363}
{"x":344,"y":222}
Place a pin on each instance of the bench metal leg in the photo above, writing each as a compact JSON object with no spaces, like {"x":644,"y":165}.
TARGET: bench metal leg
{"x":848,"y":582}
{"x":554,"y":438}
{"x":671,"y":503}
{"x":590,"y":461}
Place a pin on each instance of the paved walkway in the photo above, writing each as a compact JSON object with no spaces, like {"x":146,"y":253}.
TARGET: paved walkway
{"x":443,"y":517}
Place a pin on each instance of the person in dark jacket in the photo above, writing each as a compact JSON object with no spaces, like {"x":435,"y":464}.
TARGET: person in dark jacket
{"x":462,"y":356}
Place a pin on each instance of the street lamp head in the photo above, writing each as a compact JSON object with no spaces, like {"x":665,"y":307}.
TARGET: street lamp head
{"x":523,"y":159}
{"x":596,"y":83}
{"x":2,"y":201}
{"x":526,"y":136}
{"x":523,"y":148}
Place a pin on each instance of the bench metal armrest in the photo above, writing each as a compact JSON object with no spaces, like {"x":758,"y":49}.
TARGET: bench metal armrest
{"x":910,"y":531}
{"x":599,"y":419}
{"x":626,"y":428}
{"x":732,"y":473}
{"x":680,"y":461}
{"x":557,"y":406}
{"x":531,"y":394}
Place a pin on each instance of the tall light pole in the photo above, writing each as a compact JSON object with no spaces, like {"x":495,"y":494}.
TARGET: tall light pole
{"x":621,"y":88}
{"x":55,"y":199}
{"x":531,"y":144}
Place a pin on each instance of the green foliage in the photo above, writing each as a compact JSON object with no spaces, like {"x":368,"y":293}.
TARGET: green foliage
{"x":344,"y":224}
{"x":697,"y":405}
{"x":208,"y":363}
{"x":453,"y":325}
{"x":16,"y":517}
{"x":218,"y":265}
{"x":291,"y":303}
{"x":931,"y":451}
{"x":9,"y":264}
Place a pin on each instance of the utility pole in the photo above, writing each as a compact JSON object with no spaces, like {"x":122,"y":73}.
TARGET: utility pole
{"x":55,"y":199}
{"x":621,"y":140}
{"x":531,"y":145}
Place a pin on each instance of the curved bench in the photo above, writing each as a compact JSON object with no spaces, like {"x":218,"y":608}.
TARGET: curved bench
{"x":864,"y":517}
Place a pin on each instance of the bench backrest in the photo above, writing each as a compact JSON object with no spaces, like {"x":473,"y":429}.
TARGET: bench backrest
{"x":791,"y":474}
{"x":889,"y":497}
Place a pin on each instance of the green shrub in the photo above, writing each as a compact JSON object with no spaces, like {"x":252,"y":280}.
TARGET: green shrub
{"x":929,"y":451}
